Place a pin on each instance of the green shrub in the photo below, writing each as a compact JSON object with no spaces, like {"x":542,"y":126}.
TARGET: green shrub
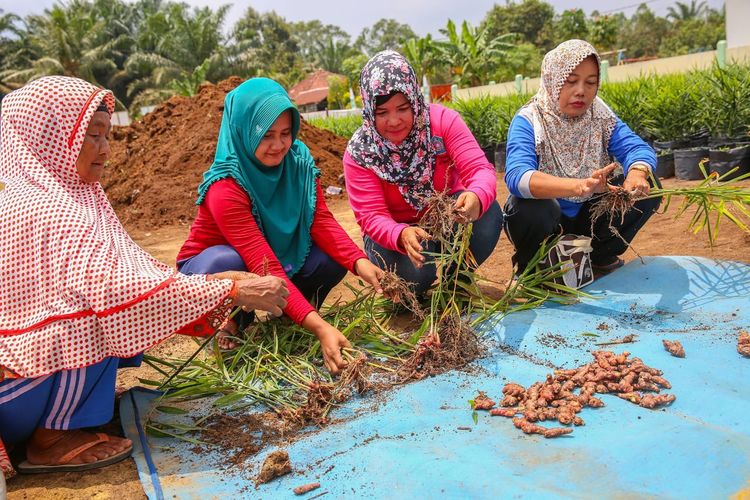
{"x":488,"y":117}
{"x":343,"y":126}
{"x":726,"y":104}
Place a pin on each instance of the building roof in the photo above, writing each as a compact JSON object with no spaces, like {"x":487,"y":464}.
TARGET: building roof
{"x":312,"y":89}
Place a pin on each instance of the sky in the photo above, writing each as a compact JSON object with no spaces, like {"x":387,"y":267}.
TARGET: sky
{"x":424,"y":16}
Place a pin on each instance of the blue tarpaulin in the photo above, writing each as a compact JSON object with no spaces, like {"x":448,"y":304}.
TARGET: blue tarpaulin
{"x":421,"y":439}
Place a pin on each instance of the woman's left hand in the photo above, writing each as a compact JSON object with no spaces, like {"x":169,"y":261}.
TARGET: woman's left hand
{"x":637,"y":183}
{"x":467,"y":207}
{"x":369,"y":272}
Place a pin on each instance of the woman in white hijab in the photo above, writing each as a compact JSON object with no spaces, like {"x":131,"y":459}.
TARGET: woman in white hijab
{"x":561,"y":151}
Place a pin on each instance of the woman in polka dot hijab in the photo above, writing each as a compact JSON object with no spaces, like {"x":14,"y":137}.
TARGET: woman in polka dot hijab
{"x":76,"y":293}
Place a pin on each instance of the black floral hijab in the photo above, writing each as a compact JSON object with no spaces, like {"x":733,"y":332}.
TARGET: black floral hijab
{"x":409,"y":165}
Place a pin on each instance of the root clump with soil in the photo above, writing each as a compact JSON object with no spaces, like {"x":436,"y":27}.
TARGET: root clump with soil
{"x":395,"y":287}
{"x":323,"y":396}
{"x":563,"y":395}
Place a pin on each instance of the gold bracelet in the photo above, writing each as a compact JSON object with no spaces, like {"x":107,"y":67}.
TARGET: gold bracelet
{"x":642,"y":168}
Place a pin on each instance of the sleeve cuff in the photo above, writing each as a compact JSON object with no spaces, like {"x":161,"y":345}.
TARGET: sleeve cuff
{"x":395,"y":233}
{"x":524,"y":184}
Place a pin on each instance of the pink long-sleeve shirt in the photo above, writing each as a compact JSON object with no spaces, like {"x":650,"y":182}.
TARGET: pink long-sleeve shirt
{"x":380,"y":209}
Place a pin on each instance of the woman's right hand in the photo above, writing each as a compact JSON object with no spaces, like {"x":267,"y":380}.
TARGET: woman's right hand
{"x":410,"y":240}
{"x":266,"y":293}
{"x":597,"y":183}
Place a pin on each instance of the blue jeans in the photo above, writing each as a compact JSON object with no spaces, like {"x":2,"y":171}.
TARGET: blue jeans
{"x":484,"y":237}
{"x":315,"y":279}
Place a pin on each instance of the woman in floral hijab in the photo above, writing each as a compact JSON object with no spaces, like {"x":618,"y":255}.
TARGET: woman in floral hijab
{"x":561,"y":147}
{"x":404,"y":152}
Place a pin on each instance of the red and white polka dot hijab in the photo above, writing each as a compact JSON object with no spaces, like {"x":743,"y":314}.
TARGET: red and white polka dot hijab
{"x":74,"y":288}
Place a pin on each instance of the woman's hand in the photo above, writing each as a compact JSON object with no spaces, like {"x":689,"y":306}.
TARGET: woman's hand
{"x":468,"y":207}
{"x":637,"y":182}
{"x":267,"y":293}
{"x":369,"y":272}
{"x":331,"y":341}
{"x":410,"y":240}
{"x":597,"y":183}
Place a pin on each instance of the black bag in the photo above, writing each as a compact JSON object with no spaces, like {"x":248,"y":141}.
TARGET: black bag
{"x":722,"y":161}
{"x":574,"y":252}
{"x":687,"y":163}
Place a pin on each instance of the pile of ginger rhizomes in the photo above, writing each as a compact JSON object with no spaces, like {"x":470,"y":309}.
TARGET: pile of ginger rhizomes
{"x":557,"y":398}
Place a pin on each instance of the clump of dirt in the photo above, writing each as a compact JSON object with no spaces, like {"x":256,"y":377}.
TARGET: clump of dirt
{"x":562,"y":395}
{"x":276,"y":464}
{"x":158,"y":162}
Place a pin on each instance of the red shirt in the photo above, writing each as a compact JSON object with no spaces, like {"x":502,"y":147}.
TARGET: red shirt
{"x":225,"y":218}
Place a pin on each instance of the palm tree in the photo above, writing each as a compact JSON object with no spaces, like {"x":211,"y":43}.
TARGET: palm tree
{"x":330,"y":54}
{"x":8,"y":26}
{"x":684,"y":12}
{"x":176,"y":50}
{"x":71,"y":39}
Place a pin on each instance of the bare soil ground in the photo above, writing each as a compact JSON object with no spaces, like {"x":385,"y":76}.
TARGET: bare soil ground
{"x":661,"y":236}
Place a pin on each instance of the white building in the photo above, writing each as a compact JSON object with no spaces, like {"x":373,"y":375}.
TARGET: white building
{"x":738,"y":16}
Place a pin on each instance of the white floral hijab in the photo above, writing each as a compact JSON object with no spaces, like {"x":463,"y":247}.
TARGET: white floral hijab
{"x":568,"y":147}
{"x":409,"y":165}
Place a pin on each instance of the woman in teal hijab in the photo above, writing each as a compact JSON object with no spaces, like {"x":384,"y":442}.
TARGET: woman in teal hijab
{"x":261,"y":209}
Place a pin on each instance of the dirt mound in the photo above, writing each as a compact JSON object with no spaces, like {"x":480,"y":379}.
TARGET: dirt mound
{"x":158,"y":162}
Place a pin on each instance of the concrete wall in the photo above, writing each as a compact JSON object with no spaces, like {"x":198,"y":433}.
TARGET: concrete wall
{"x":738,"y":16}
{"x":624,"y":72}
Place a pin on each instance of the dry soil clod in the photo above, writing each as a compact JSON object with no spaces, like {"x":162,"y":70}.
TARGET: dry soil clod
{"x":276,"y":464}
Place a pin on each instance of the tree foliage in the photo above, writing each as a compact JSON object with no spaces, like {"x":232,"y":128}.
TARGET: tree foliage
{"x":147,"y":50}
{"x":383,"y":35}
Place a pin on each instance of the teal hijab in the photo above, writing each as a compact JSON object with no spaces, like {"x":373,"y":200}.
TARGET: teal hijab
{"x":283,"y":197}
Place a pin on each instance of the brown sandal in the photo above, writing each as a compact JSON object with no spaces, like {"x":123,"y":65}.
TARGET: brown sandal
{"x":64,"y":466}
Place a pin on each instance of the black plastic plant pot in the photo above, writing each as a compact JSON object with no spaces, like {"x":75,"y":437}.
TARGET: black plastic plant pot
{"x":687,"y":163}
{"x":725,"y":159}
{"x":665,"y":165}
{"x":697,"y":139}
{"x":489,"y":153}
{"x":671,"y":145}
{"x":500,"y":157}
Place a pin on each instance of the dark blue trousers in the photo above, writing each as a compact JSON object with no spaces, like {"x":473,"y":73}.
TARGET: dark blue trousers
{"x":69,"y":399}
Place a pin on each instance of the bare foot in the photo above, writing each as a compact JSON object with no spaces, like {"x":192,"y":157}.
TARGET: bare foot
{"x":50,"y":447}
{"x":224,"y":336}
